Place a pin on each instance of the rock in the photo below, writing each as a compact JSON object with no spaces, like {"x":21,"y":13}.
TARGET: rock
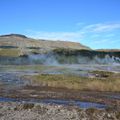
{"x":39,"y":111}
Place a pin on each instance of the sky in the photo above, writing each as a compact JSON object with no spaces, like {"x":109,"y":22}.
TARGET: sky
{"x":95,"y":23}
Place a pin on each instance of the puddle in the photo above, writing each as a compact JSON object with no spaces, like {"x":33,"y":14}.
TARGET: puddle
{"x":114,"y":97}
{"x":3,"y":99}
{"x":75,"y":103}
{"x":57,"y":102}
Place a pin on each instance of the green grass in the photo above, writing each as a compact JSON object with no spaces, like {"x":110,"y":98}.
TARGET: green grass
{"x":27,"y":67}
{"x":32,"y":67}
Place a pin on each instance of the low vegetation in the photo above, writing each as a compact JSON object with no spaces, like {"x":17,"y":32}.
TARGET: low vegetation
{"x":30,"y":67}
{"x":13,"y":52}
{"x":109,"y":83}
{"x":28,"y":106}
{"x":85,"y":52}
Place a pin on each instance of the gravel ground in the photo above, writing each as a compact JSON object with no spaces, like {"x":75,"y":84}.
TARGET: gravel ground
{"x":30,"y":111}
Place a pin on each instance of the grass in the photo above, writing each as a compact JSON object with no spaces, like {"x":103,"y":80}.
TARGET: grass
{"x":111,"y":83}
{"x":33,"y":67}
{"x":28,"y":106}
{"x":30,"y":67}
{"x":26,"y":67}
{"x":106,"y":85}
{"x":55,"y":80}
{"x":13,"y":52}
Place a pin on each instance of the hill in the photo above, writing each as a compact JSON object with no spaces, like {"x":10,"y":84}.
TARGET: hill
{"x":19,"y":49}
{"x":22,"y":41}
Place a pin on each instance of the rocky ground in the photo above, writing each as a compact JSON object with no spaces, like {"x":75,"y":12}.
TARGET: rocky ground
{"x":30,"y":111}
{"x":14,"y":88}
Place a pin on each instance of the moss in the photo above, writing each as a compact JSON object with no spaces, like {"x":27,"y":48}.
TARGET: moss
{"x":28,"y":106}
{"x":110,"y":109}
{"x":91,"y":111}
{"x":118,"y":115}
{"x":16,"y":108}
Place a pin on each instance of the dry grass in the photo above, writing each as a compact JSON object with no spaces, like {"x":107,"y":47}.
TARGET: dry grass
{"x":62,"y":81}
{"x":98,"y":85}
{"x":13,"y":52}
{"x":75,"y":82}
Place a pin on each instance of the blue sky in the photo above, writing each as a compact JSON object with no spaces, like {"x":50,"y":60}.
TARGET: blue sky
{"x":95,"y":23}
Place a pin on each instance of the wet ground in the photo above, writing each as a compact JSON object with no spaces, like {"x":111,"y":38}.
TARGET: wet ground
{"x":14,"y":88}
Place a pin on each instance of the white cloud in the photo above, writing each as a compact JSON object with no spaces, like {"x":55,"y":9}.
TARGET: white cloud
{"x":101,"y":27}
{"x":91,"y":34}
{"x":72,"y":36}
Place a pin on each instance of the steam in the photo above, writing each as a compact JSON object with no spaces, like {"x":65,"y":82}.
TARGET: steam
{"x":107,"y":60}
{"x":43,"y":59}
{"x":51,"y":59}
{"x":58,"y":59}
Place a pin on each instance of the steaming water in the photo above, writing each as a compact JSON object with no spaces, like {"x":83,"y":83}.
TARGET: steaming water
{"x":43,"y":59}
{"x":53,"y":60}
{"x":12,"y":78}
{"x":75,"y":103}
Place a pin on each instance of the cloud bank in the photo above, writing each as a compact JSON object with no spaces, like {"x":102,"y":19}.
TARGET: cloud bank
{"x":100,"y":35}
